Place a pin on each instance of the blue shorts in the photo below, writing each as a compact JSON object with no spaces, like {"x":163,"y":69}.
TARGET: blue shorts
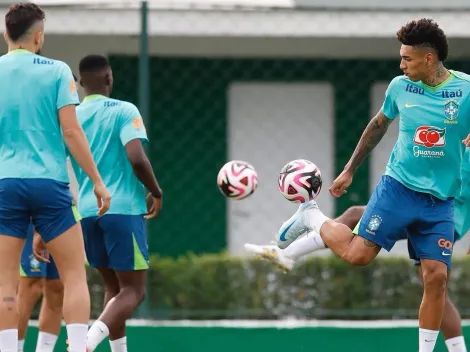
{"x":46,"y":202}
{"x":31,"y":267}
{"x":116,"y":242}
{"x":395,"y":209}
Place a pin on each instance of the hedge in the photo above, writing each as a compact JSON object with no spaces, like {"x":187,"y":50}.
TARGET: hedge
{"x":224,"y":287}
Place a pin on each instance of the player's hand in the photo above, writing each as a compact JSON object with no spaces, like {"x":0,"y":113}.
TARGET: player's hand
{"x":154,"y":205}
{"x":39,"y":249}
{"x":341,"y":184}
{"x":103,"y":198}
{"x":466,"y":141}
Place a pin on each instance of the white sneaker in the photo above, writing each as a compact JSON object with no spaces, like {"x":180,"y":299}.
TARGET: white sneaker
{"x":272,"y":254}
{"x":296,"y":226}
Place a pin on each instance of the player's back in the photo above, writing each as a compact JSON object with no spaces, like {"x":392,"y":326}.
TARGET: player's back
{"x":32,"y":90}
{"x":108,"y":125}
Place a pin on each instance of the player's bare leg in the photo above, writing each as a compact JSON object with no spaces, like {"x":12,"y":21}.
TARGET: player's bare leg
{"x":10,"y":254}
{"x":29,"y":291}
{"x":69,"y":255}
{"x":451,"y":325}
{"x":118,"y":309}
{"x":50,"y":316}
{"x":433,"y":303}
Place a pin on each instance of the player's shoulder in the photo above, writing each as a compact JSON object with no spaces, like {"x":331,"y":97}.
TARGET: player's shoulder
{"x":399,"y":81}
{"x":126,"y":108}
{"x":462,"y":77}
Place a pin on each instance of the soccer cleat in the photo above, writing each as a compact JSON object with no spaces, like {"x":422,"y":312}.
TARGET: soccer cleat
{"x":296,"y":226}
{"x":272,"y":254}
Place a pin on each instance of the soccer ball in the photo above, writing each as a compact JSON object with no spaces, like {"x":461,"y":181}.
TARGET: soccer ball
{"x":237,"y":179}
{"x":300,"y":181}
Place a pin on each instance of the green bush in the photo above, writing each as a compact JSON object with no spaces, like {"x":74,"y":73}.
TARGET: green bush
{"x":224,"y":287}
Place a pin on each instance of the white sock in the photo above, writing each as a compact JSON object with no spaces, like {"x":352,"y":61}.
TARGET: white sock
{"x":76,"y":334}
{"x":97,"y":333}
{"x":9,"y":340}
{"x":46,"y":342}
{"x":315,"y":219}
{"x":20,"y":345}
{"x":119,"y":345}
{"x":427,"y":340}
{"x":311,"y":242}
{"x":456,"y":344}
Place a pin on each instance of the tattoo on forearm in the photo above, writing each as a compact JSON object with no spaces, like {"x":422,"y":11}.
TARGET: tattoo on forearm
{"x":372,"y":135}
{"x":371,"y":244}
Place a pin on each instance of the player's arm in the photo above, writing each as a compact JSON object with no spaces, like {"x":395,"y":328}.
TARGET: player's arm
{"x":75,"y":138}
{"x":371,"y":136}
{"x":133,"y":135}
{"x":376,"y":128}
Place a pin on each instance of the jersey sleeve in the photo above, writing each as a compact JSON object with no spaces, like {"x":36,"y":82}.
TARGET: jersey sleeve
{"x":390,"y":107}
{"x":132,"y":125}
{"x":67,"y":90}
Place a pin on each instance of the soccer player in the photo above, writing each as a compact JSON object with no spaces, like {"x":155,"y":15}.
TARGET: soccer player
{"x":37,"y":115}
{"x":422,"y":176}
{"x":39,"y":275}
{"x":284,"y":259}
{"x":115,"y":243}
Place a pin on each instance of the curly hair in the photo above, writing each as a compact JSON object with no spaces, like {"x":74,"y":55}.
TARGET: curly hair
{"x":425,"y":33}
{"x":20,"y":17}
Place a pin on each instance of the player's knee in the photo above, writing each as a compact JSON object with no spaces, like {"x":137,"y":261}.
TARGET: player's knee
{"x":354,"y":213}
{"x":435,"y":279}
{"x":137,"y":294}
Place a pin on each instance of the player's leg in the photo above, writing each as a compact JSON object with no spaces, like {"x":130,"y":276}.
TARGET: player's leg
{"x":432,"y":239}
{"x":57,"y":222}
{"x":29,"y":292}
{"x":32,"y":273}
{"x":126,"y":246}
{"x":50,"y":316}
{"x":285,"y":258}
{"x":14,"y":223}
{"x":380,"y":226}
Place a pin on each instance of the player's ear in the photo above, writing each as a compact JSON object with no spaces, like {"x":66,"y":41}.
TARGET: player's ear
{"x":81,"y":83}
{"x":5,"y":36}
{"x":107,"y":79}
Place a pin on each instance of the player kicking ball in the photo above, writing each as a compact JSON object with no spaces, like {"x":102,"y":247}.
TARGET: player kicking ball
{"x":422,"y":178}
{"x":116,"y":243}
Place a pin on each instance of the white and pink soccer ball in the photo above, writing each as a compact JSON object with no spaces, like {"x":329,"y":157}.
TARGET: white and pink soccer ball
{"x":237,"y":179}
{"x":300,"y":181}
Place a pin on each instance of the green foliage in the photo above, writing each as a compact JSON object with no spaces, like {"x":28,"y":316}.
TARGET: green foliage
{"x":224,"y":287}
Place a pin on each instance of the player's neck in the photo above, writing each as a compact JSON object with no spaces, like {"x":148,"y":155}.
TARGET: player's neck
{"x":103,"y":92}
{"x":22,"y":46}
{"x":438,"y":75}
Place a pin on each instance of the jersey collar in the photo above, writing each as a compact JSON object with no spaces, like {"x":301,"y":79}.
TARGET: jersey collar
{"x":442,"y":84}
{"x":93,"y":97}
{"x":19,"y":52}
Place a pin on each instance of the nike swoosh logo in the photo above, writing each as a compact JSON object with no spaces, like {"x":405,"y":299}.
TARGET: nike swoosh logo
{"x":446,"y":254}
{"x":284,"y":233}
{"x":410,"y":106}
{"x":429,"y":340}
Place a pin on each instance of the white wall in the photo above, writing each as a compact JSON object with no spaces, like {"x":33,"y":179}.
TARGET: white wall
{"x":270,"y":125}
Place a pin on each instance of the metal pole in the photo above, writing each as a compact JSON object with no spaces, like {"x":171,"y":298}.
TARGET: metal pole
{"x":144,"y":91}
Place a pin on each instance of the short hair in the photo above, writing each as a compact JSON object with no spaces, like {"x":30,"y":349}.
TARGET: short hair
{"x":425,"y":33}
{"x":93,"y":63}
{"x":21,"y":17}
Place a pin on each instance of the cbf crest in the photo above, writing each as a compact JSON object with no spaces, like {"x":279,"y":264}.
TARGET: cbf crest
{"x":451,"y":111}
{"x":374,"y":224}
{"x":34,"y":264}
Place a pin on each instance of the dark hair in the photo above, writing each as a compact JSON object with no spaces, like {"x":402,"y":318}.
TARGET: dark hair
{"x":425,"y":33}
{"x":93,"y":63}
{"x":20,"y":17}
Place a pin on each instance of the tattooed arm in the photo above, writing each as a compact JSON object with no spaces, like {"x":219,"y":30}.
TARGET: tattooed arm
{"x":371,"y":136}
